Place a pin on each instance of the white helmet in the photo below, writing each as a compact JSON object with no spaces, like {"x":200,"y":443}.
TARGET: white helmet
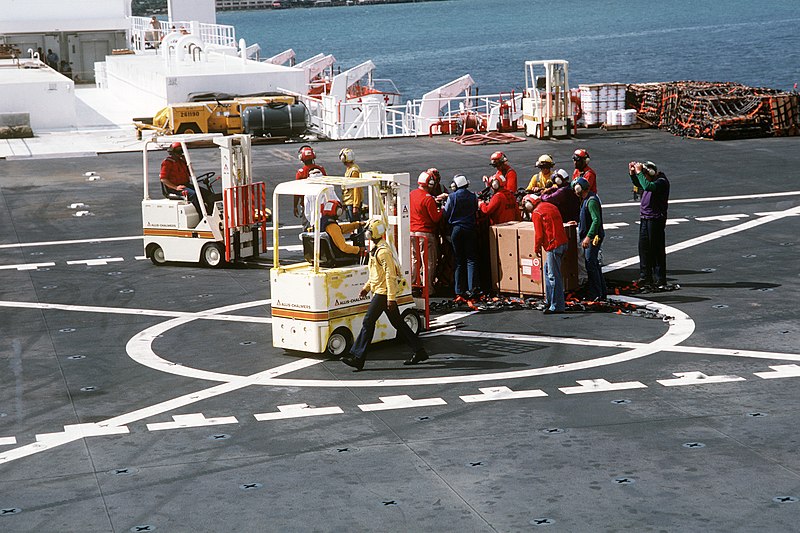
{"x":459,"y":181}
{"x":560,"y":177}
{"x":315,"y":173}
{"x":346,"y":155}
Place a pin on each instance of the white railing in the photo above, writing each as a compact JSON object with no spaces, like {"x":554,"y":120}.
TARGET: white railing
{"x":143,"y":36}
{"x":374,"y":119}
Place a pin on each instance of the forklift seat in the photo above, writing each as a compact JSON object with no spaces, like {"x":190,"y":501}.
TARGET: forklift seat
{"x":329,"y":255}
{"x":170,"y":195}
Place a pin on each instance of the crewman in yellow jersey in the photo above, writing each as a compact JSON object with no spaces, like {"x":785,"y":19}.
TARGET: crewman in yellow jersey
{"x":352,"y":198}
{"x":544,"y":177}
{"x":385,"y":284}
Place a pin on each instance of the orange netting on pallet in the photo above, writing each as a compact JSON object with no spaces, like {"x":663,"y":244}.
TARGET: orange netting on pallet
{"x":715,"y":110}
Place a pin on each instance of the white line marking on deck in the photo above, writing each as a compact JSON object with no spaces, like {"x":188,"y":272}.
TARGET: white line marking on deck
{"x":6,"y":441}
{"x":780,"y":371}
{"x":696,"y":378}
{"x":714,"y":199}
{"x":193,"y":420}
{"x":79,"y":431}
{"x":615,"y":225}
{"x":676,"y":221}
{"x":297,"y":410}
{"x":95,"y":262}
{"x":76,"y":432}
{"x":723,"y":218}
{"x":708,"y":237}
{"x":600,"y":385}
{"x":490,"y":394}
{"x":73,"y":241}
{"x":27,"y":266}
{"x":401,"y":401}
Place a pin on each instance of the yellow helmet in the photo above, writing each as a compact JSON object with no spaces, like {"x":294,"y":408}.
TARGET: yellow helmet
{"x":376,"y":228}
{"x":544,"y":160}
{"x":346,"y":155}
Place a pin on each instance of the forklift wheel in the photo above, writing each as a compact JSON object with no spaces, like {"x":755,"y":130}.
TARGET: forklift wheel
{"x":412,"y":320}
{"x":212,"y":255}
{"x":157,"y":255}
{"x":339,"y":343}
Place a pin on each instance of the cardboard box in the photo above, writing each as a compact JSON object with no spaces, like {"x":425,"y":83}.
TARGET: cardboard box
{"x":530,"y":268}
{"x":507,"y":258}
{"x":494,"y":253}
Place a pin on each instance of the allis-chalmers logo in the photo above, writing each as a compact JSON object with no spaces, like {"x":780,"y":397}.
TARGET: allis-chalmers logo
{"x":338,"y":302}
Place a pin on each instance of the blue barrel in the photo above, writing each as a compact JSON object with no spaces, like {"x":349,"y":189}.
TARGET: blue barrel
{"x":276,"y":120}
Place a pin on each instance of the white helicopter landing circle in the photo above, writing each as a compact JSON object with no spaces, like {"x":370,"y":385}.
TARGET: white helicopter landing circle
{"x":681,"y":327}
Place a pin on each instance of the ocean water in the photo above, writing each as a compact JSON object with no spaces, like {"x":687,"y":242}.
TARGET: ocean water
{"x":421,"y":46}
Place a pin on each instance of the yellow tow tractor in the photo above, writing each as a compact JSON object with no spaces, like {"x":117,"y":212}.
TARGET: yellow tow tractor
{"x":276,"y":116}
{"x":316,"y":305}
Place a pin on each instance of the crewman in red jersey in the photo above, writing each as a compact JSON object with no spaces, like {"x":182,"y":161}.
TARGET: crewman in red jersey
{"x":307,"y":156}
{"x":176,"y":179}
{"x":549,"y":234}
{"x":425,"y":219}
{"x":500,"y":162}
{"x":583,"y":170}
{"x":502,"y":207}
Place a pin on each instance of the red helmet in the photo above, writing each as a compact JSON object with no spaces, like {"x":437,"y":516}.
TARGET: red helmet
{"x":175,"y":147}
{"x":434,"y":172}
{"x":497,"y":182}
{"x":530,"y":201}
{"x":580,"y":154}
{"x":306,"y":153}
{"x":332,"y":208}
{"x":498,"y":158}
{"x":425,"y":179}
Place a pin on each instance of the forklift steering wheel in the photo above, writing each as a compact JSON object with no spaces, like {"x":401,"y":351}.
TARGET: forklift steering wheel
{"x":205,"y":177}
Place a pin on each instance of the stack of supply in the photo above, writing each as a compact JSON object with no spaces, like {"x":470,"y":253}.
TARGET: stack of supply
{"x":516,"y":269}
{"x":598,"y":99}
{"x":716,"y":110}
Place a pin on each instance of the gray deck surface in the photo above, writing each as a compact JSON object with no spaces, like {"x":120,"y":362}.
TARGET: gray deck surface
{"x":715,"y":449}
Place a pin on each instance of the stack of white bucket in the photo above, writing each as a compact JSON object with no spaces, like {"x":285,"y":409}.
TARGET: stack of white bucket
{"x":598,"y":100}
{"x":621,"y":117}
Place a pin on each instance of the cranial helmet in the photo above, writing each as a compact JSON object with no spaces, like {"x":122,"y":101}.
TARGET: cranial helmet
{"x":459,"y":181}
{"x":579,"y":185}
{"x":376,"y":229}
{"x":498,"y":182}
{"x":561,"y":176}
{"x":315,"y":173}
{"x":434,"y":172}
{"x":580,"y":154}
{"x":306,"y":153}
{"x":175,"y":148}
{"x":545,"y":161}
{"x":332,"y":208}
{"x":426,"y":179}
{"x":530,"y":201}
{"x":650,"y":168}
{"x":498,"y":158}
{"x":346,"y":155}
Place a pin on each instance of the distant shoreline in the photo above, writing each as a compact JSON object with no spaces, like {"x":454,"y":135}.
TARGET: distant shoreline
{"x":237,"y":5}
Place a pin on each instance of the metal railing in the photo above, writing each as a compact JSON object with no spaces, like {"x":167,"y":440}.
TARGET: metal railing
{"x":143,"y":36}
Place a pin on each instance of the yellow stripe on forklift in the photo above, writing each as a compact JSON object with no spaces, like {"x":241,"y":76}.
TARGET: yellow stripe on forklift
{"x":178,"y":233}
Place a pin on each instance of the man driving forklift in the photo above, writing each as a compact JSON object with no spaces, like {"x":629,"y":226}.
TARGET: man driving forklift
{"x":176,"y":179}
{"x":331,"y":210}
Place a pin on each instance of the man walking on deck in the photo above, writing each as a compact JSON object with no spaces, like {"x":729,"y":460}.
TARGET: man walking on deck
{"x":384,"y":283}
{"x":653,"y":220}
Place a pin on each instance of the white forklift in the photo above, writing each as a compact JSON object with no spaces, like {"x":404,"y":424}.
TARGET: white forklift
{"x":316,"y":306}
{"x":236,"y":227}
{"x":546,"y":104}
